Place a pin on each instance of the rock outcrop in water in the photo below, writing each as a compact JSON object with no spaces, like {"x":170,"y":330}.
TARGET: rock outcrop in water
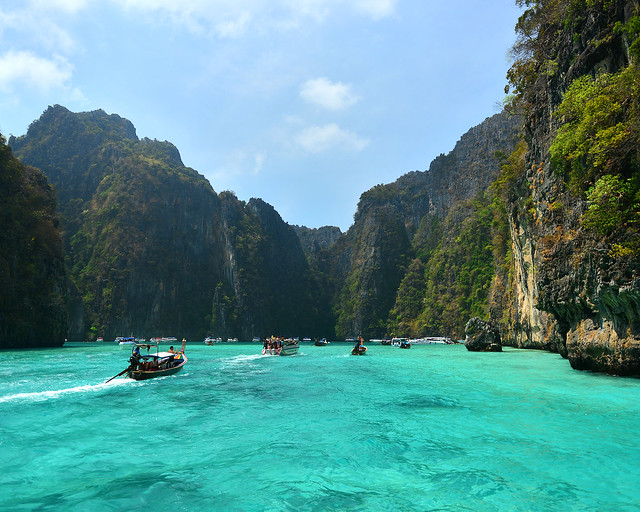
{"x":481,"y":336}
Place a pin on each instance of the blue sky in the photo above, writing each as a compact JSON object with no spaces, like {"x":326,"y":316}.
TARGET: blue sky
{"x":303,"y":103}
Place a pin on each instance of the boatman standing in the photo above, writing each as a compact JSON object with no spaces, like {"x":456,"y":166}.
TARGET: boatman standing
{"x":135,"y":358}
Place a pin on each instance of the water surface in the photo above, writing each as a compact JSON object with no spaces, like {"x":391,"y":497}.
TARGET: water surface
{"x":431,"y":428}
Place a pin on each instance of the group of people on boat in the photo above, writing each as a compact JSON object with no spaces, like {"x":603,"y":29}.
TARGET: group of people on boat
{"x":138,"y":361}
{"x":272,"y":346}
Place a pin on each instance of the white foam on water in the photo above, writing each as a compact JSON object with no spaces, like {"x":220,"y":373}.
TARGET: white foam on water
{"x":42,"y":396}
{"x":242,"y":359}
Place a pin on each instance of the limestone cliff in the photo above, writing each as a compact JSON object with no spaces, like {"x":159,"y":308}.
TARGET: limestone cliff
{"x":151,"y":249}
{"x":573,"y":291}
{"x":398,"y":226}
{"x":32,"y":276}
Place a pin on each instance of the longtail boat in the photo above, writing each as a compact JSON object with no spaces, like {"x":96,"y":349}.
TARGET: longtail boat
{"x":359,"y":350}
{"x":151,"y":365}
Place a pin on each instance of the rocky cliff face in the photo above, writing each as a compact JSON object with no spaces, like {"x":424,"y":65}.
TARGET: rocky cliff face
{"x":152,"y":250}
{"x":32,"y":277}
{"x":395,"y":223}
{"x":573,"y":294}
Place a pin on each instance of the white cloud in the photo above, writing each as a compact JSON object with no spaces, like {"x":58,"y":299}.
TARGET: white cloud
{"x":65,"y":6}
{"x":377,"y":9}
{"x":235,"y":27}
{"x":25,"y":69}
{"x":321,"y":9}
{"x":317,"y":139}
{"x":240,"y":162}
{"x":259,"y":160}
{"x":330,"y":95}
{"x":233,"y":18}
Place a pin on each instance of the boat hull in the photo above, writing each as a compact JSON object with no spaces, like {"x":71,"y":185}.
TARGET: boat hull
{"x":289,"y":350}
{"x":286,"y":350}
{"x":160,"y":372}
{"x":359,"y":351}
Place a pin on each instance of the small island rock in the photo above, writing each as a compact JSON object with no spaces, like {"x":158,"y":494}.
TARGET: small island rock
{"x":481,"y":336}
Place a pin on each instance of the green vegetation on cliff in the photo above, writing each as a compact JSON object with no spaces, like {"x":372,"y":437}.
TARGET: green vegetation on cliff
{"x":597,"y":147}
{"x":427,"y":251}
{"x":32,"y":278}
{"x":152,"y":250}
{"x":575,"y":217}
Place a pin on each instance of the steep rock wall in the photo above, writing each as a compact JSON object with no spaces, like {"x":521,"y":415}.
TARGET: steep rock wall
{"x":570,"y":295}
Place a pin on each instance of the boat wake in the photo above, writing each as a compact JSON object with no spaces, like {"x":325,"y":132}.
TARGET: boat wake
{"x":42,"y":396}
{"x":242,"y":359}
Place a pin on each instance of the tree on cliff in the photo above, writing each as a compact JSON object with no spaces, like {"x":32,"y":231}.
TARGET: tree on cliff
{"x":32,"y":278}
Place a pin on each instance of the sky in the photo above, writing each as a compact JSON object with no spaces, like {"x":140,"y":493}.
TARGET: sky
{"x":305,"y":104}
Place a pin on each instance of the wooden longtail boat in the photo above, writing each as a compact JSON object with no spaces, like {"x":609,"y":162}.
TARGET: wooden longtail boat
{"x":359,"y":350}
{"x":152,"y":365}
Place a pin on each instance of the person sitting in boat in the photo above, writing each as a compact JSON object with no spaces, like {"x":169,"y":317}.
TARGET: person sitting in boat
{"x":171,"y":350}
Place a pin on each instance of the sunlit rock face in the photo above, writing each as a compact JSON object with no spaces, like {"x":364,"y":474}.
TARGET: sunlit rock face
{"x":571,"y":295}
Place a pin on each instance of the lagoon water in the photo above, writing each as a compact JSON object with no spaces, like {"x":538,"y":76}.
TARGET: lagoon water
{"x":431,"y":428}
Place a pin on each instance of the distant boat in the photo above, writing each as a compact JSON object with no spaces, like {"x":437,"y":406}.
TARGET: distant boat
{"x":125,"y":340}
{"x":431,"y":340}
{"x":255,"y":339}
{"x":232,"y":340}
{"x":321,"y":343}
{"x":209,"y":340}
{"x":99,"y":339}
{"x":306,"y":339}
{"x":359,"y":350}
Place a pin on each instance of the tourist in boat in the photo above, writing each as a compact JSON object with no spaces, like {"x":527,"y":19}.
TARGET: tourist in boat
{"x":171,"y":350}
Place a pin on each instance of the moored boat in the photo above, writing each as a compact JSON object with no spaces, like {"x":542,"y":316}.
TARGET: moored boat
{"x":432,"y":340}
{"x":321,"y":343}
{"x":398,"y":342}
{"x":125,"y":340}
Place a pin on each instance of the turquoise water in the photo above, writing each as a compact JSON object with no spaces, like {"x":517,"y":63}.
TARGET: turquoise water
{"x":431,"y":428}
